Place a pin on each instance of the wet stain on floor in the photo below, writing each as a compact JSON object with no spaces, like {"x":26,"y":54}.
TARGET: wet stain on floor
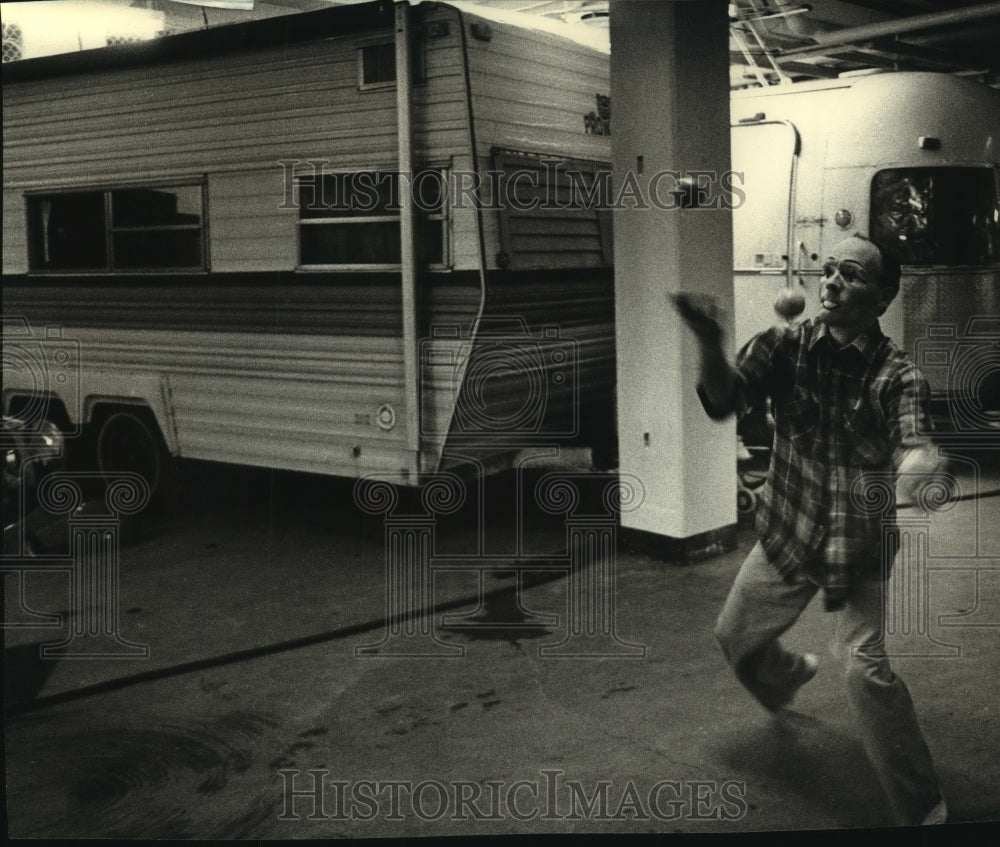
{"x":316,"y":730}
{"x":500,"y":618}
{"x":113,"y":782}
{"x":618,"y":689}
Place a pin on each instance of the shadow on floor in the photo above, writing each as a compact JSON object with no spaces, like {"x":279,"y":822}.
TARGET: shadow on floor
{"x":25,"y":672}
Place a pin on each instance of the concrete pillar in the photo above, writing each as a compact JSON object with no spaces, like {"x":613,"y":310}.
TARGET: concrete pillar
{"x":670,"y":114}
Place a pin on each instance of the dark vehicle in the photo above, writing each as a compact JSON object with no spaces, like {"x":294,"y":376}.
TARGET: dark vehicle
{"x":30,"y":452}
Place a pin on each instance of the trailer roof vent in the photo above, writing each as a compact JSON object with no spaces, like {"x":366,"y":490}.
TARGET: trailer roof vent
{"x":928,"y":142}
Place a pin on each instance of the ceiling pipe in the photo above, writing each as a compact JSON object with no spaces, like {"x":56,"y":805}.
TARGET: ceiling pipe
{"x":897,"y":27}
{"x":802,"y":27}
{"x":784,"y":11}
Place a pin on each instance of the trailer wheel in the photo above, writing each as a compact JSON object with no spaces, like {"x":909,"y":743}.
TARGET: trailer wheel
{"x":128,"y":441}
{"x":746,"y":503}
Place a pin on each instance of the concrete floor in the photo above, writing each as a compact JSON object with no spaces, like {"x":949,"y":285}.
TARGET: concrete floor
{"x":255,"y":595}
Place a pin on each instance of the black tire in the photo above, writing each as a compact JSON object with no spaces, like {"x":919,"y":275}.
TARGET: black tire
{"x":746,"y":503}
{"x":130,"y":441}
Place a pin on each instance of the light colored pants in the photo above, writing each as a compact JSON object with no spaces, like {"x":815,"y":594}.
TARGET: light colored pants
{"x":761,"y":606}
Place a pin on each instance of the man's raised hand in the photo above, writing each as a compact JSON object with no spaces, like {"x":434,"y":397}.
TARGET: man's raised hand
{"x":700,"y":314}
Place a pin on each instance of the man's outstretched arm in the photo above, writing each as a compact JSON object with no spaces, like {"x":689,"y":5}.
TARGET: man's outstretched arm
{"x":916,"y":459}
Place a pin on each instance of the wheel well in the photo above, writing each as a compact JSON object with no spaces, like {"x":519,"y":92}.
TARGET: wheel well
{"x":103,"y":410}
{"x":127,"y":438}
{"x":55,"y":409}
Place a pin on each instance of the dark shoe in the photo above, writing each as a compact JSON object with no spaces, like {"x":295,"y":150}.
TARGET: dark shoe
{"x":806,"y":671}
{"x":937,"y":815}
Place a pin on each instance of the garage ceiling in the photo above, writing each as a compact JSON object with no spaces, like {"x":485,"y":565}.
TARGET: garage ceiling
{"x":772,"y":41}
{"x":824,"y":39}
{"x":777,"y":40}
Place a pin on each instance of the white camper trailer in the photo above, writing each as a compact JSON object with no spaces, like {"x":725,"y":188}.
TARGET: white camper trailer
{"x":316,"y":246}
{"x":913,"y":161}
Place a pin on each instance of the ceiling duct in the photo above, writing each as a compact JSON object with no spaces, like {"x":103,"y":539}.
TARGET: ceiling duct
{"x":915,"y":23}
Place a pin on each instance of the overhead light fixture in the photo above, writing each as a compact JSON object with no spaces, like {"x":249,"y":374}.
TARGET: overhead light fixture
{"x":736,"y":14}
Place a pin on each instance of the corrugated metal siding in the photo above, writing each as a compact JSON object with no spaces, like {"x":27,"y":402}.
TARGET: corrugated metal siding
{"x":532,"y":90}
{"x":441,"y":128}
{"x":947,"y":301}
{"x":271,"y":376}
{"x":447,"y":315}
{"x":582,"y":325}
{"x":241,"y":236}
{"x":543,"y":380}
{"x":464,"y":229}
{"x":236,"y":112}
{"x":321,"y":310}
{"x":15,"y":246}
{"x":542,"y":368}
{"x":287,"y":401}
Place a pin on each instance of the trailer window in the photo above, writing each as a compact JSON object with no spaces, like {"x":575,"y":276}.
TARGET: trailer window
{"x":156,"y":227}
{"x":67,"y":232}
{"x":124,"y":229}
{"x":351,"y":220}
{"x":377,"y":63}
{"x":936,"y":216}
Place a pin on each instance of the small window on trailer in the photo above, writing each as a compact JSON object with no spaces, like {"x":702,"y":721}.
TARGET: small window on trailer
{"x":377,"y":63}
{"x":117,"y":230}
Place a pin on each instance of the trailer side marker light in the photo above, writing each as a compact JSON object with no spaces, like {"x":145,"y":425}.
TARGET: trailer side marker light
{"x":843,"y":218}
{"x":386,"y":417}
{"x":481,"y":31}
{"x":927,"y":142}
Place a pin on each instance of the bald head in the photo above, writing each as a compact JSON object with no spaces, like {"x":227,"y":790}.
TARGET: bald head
{"x":877,"y":266}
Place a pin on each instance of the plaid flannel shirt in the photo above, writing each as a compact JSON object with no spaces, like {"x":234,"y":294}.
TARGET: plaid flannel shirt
{"x":844,"y":419}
